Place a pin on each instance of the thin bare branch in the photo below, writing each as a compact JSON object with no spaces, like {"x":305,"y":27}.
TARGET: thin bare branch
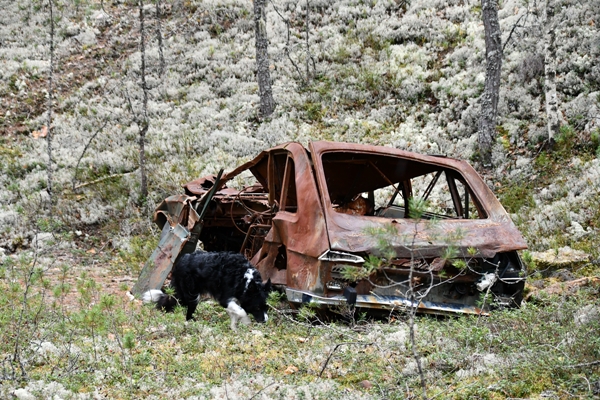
{"x":287,"y":45}
{"x":84,"y":150}
{"x":336,"y":347}
{"x":515,"y":26}
{"x":581,"y":365}
{"x":262,"y":390}
{"x":104,"y":178}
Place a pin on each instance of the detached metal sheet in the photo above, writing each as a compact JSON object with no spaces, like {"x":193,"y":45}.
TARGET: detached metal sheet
{"x":161,"y":261}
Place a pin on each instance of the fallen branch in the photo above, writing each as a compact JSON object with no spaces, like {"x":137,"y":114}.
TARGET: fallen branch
{"x":261,"y":390}
{"x":588,"y":364}
{"x":104,"y":178}
{"x":85,"y":149}
{"x":335,"y":348}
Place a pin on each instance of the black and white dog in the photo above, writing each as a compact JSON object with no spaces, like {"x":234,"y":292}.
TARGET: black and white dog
{"x":228,"y":277}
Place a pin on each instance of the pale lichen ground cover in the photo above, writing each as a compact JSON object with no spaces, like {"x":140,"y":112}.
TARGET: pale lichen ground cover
{"x":407,"y":77}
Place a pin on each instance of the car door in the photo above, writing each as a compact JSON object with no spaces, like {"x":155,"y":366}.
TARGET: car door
{"x":298,"y":236}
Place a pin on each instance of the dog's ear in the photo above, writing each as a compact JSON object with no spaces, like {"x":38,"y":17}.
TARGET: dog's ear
{"x":268,"y":286}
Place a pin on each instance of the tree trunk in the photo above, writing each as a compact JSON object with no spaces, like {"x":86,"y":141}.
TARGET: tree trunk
{"x":143,"y":123}
{"x":491,"y":93}
{"x":50,"y":100}
{"x":550,"y":74}
{"x":267,"y":104}
{"x":161,"y":56}
{"x":307,"y":43}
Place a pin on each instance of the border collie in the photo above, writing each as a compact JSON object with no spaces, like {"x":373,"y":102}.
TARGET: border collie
{"x":228,"y":277}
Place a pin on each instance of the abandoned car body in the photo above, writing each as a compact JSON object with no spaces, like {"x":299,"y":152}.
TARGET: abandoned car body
{"x":313,"y":219}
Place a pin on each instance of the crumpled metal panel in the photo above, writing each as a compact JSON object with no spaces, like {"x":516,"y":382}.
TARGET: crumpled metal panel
{"x":176,"y":210}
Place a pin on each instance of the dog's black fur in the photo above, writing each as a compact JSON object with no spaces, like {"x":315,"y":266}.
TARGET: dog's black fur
{"x":228,"y":277}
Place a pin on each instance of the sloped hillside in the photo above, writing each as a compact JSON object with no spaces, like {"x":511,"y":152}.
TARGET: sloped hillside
{"x":386,"y":72}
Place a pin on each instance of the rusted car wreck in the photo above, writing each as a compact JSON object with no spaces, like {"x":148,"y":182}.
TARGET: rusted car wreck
{"x":312,"y":218}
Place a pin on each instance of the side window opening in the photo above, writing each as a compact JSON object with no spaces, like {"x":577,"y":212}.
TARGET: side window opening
{"x":284,"y":182}
{"x":378,"y":185}
{"x":245,"y":180}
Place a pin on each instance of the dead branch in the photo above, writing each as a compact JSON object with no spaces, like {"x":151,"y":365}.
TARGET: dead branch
{"x":413,"y":312}
{"x":588,"y":364}
{"x":84,"y":150}
{"x":263,"y":75}
{"x":336,"y":347}
{"x":287,"y":44}
{"x":16,"y":356}
{"x":261,"y":390}
{"x":515,"y":26}
{"x":104,"y":178}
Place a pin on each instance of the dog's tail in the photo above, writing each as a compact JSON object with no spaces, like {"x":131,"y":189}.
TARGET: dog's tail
{"x":163,"y":301}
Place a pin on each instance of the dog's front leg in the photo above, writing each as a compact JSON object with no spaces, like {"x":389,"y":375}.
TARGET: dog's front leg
{"x":191,"y":309}
{"x":236,"y":313}
{"x":234,"y":318}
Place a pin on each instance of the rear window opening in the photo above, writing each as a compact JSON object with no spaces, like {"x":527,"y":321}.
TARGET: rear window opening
{"x":381,"y":186}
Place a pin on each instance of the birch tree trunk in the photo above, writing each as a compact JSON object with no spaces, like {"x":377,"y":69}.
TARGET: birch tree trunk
{"x":550,"y":74}
{"x":267,"y":104}
{"x":491,"y":93}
